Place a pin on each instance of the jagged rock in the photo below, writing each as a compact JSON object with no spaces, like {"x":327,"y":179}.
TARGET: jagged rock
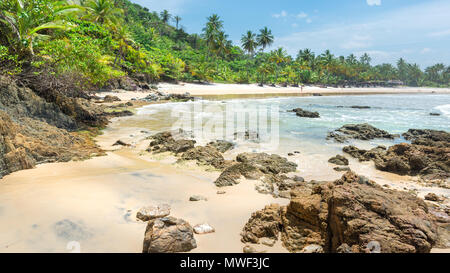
{"x":205,"y":155}
{"x":109,"y":98}
{"x":168,"y":235}
{"x":159,"y":96}
{"x":231,"y":175}
{"x":339,"y":160}
{"x":221,"y":145}
{"x":263,"y":223}
{"x":171,"y":141}
{"x":428,"y":137}
{"x":432,"y":197}
{"x":358,"y":131}
{"x":352,"y":211}
{"x":266,"y":163}
{"x":196,"y":198}
{"x":203,"y":229}
{"x":152,"y":212}
{"x":305,"y":114}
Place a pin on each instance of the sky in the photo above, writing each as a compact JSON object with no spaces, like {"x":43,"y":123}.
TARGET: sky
{"x":417,"y":30}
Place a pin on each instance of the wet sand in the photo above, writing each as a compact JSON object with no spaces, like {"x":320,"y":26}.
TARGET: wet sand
{"x":94,"y":202}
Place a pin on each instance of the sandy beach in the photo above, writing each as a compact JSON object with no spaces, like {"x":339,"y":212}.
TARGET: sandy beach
{"x":94,"y":202}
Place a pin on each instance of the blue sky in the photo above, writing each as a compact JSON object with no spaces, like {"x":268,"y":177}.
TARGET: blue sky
{"x":418,"y":30}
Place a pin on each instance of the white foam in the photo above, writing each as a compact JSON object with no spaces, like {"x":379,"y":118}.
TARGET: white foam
{"x":444,"y":109}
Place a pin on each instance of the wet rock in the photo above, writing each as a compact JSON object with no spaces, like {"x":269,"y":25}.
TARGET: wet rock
{"x":358,"y":131}
{"x":305,"y":114}
{"x":196,"y":198}
{"x":121,"y":143}
{"x":152,"y":212}
{"x":205,"y":155}
{"x":203,"y":229}
{"x":427,"y":137}
{"x":221,"y":145}
{"x":168,"y":235}
{"x":360,"y":107}
{"x":435,"y":114}
{"x":349,"y":212}
{"x":263,"y":224}
{"x":432,"y":197}
{"x":365,"y":155}
{"x":339,"y":160}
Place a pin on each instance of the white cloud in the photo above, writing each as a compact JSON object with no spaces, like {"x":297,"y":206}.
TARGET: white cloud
{"x":440,"y":33}
{"x":374,"y":2}
{"x":282,"y":14}
{"x":309,"y":20}
{"x":425,"y":50}
{"x":302,"y":15}
{"x":294,"y":25}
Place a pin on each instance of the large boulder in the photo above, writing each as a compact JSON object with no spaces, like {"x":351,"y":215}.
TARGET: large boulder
{"x":263,"y":224}
{"x":266,"y":163}
{"x":305,"y":114}
{"x":358,"y":131}
{"x":428,"y":137}
{"x":353,"y":212}
{"x":168,"y":235}
{"x":339,"y":160}
{"x":231,"y":175}
{"x":171,"y":141}
{"x":152,"y":212}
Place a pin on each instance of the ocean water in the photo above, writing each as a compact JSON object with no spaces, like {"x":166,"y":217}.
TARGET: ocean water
{"x":393,"y":113}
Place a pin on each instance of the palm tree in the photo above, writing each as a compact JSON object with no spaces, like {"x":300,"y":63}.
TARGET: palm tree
{"x":265,"y":38}
{"x":278,"y":57}
{"x":214,"y":23}
{"x":165,"y":16}
{"x":21,"y":23}
{"x":177,"y":20}
{"x":103,"y":12}
{"x":249,"y":42}
{"x":212,"y":32}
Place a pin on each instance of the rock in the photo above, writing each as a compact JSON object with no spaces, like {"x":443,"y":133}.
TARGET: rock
{"x":249,"y":249}
{"x":267,"y":241}
{"x":263,"y":224}
{"x":171,"y":142}
{"x":152,"y":212}
{"x":305,"y":114}
{"x":221,"y":192}
{"x":360,"y":107}
{"x":196,"y":198}
{"x":373,"y":247}
{"x":339,"y":160}
{"x":432,"y":197}
{"x":221,"y":145}
{"x":435,"y":114}
{"x":266,"y":163}
{"x":296,"y":152}
{"x":121,"y":143}
{"x":290,"y":154}
{"x":348,"y":211}
{"x":342,"y":169}
{"x":428,"y":137}
{"x":231,"y":175}
{"x":358,"y":131}
{"x":205,"y":155}
{"x":312,"y":249}
{"x":298,"y":179}
{"x":109,"y":98}
{"x":168,"y":235}
{"x":161,"y":96}
{"x":247,"y":135}
{"x":203,"y":229}
{"x":344,"y":248}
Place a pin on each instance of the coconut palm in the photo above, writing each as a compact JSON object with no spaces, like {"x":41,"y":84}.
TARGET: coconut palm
{"x":165,"y":16}
{"x":212,"y":32}
{"x":21,"y":23}
{"x":278,"y":57}
{"x":102,"y":12}
{"x":177,"y":20}
{"x":265,"y":38}
{"x":249,"y":42}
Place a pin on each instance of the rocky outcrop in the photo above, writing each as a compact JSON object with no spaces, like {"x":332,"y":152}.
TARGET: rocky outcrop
{"x":168,"y":235}
{"x":351,"y":214}
{"x":221,"y":145}
{"x":305,"y":114}
{"x":338,"y":160}
{"x":161,"y":96}
{"x":205,"y":155}
{"x":255,"y":166}
{"x":358,"y":131}
{"x":428,"y":137}
{"x":170,"y":141}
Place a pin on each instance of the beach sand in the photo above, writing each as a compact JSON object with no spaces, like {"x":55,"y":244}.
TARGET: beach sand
{"x":94,"y":202}
{"x":223,"y":91}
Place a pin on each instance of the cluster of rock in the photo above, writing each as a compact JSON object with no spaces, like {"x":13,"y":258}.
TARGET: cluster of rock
{"x":351,"y":214}
{"x":305,"y":114}
{"x":358,"y":131}
{"x":427,"y":156}
{"x":40,"y":128}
